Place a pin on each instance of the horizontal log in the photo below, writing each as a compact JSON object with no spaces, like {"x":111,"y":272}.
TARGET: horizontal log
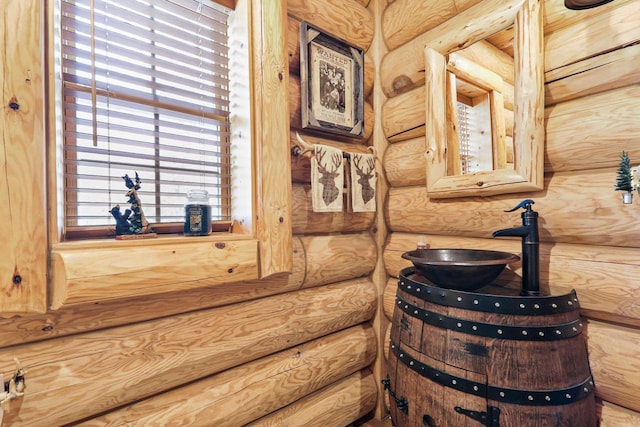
{"x":603,"y":220}
{"x":557,"y":16}
{"x":269,"y":383}
{"x":147,"y":268}
{"x":615,"y":416}
{"x":402,"y":69}
{"x":305,"y":221}
{"x":339,"y":404}
{"x":90,"y":316}
{"x":605,"y":278}
{"x":591,"y":132}
{"x":296,"y":114}
{"x":293,"y":50}
{"x":405,"y":163}
{"x":404,"y":116}
{"x":337,"y":257}
{"x":613,"y":356}
{"x":109,"y":368}
{"x":604,"y":72}
{"x":593,"y":35}
{"x":344,"y":19}
{"x":404,"y":20}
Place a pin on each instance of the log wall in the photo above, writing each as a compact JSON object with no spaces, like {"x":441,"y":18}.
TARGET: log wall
{"x":206,"y":350}
{"x":181,"y":345}
{"x":589,"y":239}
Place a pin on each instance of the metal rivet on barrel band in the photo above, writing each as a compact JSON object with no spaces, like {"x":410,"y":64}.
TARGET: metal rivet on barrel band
{"x":459,"y":325}
{"x":475,"y":301}
{"x":474,"y":327}
{"x":570,"y":302}
{"x":547,"y":398}
{"x":524,"y":332}
{"x":497,"y":304}
{"x":568,"y":396}
{"x":454,"y":382}
{"x":409,"y":287}
{"x":536,"y":306}
{"x":541,"y":333}
{"x":415,"y":311}
{"x":554,"y":305}
{"x":530,"y":397}
{"x":522,"y":305}
{"x":417,"y":289}
{"x":500,"y":331}
{"x":502,"y":394}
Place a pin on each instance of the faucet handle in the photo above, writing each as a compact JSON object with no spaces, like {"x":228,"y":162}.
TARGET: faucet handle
{"x":525,"y":204}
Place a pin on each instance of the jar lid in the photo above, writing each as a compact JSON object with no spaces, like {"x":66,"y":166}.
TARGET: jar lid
{"x":198,"y":193}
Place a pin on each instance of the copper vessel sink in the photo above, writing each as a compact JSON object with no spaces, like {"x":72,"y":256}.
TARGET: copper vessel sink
{"x":460,"y":269}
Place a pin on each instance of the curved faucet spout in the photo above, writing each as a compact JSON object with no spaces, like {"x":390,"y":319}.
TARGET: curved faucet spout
{"x":522,"y":231}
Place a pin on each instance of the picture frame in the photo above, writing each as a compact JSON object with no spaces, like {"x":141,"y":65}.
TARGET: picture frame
{"x":332,"y":83}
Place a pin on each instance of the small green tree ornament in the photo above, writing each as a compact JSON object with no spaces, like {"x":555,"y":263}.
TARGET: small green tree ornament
{"x":624,"y":181}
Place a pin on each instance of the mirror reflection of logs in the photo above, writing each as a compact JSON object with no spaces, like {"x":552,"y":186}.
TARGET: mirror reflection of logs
{"x":479,"y":106}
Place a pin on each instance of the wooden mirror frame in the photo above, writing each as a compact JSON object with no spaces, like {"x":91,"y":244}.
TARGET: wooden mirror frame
{"x":528,"y":133}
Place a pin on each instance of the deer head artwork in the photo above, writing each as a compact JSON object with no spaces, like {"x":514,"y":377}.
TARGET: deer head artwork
{"x":365,"y":177}
{"x":330,"y":190}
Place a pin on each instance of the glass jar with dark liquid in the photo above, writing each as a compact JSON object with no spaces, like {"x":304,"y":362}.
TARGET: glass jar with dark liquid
{"x":197,"y":213}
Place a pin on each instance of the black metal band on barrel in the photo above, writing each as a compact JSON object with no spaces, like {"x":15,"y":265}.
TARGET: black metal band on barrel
{"x":499,"y":304}
{"x":492,"y":330}
{"x":562,"y":396}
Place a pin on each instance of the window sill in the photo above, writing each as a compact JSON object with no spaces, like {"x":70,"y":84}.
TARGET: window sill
{"x":91,"y":271}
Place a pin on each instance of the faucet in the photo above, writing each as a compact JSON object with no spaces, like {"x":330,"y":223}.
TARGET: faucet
{"x":530,"y":247}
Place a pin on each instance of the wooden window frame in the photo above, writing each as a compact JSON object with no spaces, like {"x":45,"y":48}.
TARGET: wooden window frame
{"x":261,"y":242}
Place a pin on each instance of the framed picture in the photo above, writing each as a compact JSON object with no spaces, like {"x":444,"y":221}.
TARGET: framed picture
{"x":331,"y":75}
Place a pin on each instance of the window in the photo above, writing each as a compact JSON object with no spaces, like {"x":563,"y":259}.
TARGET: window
{"x":144,"y":87}
{"x":260,"y":246}
{"x":474,"y":133}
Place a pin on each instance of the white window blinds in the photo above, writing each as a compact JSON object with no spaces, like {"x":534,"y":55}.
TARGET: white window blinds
{"x":144,"y":89}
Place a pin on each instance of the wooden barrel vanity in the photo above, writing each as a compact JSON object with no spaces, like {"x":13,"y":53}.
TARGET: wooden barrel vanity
{"x":477,"y":358}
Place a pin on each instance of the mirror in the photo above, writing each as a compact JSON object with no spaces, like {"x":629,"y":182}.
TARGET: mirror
{"x":444,"y":178}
